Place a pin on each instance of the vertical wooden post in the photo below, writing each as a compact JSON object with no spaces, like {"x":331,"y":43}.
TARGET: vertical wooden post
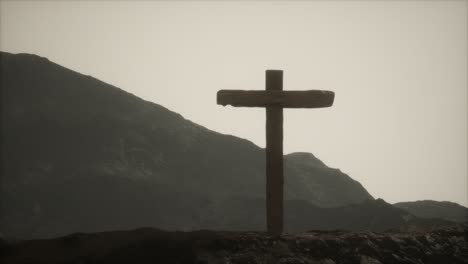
{"x":274,"y":99}
{"x":274,"y":157}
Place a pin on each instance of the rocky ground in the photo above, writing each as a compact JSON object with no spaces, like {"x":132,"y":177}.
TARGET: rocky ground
{"x":155,"y":246}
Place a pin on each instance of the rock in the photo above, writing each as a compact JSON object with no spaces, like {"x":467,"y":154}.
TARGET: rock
{"x":210,"y":247}
{"x":327,"y":261}
{"x":369,"y":260}
{"x":280,"y":249}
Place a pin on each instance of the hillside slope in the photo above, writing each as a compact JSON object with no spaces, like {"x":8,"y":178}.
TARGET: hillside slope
{"x":79,"y":151}
{"x":434,"y":209}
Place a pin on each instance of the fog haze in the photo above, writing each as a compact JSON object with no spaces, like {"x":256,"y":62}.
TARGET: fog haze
{"x":398,"y":69}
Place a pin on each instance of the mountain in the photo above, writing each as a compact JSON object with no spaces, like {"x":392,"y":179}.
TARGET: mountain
{"x":301,"y":216}
{"x":60,"y":122}
{"x":82,"y":155}
{"x":434,"y":209}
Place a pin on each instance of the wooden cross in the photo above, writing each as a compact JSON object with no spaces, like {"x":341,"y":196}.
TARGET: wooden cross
{"x":275,"y":99}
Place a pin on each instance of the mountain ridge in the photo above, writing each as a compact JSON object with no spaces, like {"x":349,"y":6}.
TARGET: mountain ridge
{"x":88,"y":156}
{"x":436,"y":209}
{"x":131,"y":109}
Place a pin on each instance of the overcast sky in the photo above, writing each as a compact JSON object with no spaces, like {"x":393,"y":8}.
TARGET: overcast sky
{"x":398,"y":68}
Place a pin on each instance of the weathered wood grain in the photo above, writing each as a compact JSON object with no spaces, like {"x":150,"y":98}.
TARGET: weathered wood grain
{"x":274,"y":157}
{"x":285,"y":99}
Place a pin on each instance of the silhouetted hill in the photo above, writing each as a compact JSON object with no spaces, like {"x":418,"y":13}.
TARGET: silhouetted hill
{"x":83,"y":155}
{"x":300,"y":216}
{"x":434,"y":209}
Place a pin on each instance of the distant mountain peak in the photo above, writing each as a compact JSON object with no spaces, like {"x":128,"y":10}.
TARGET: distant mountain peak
{"x":436,"y":209}
{"x":305,"y":157}
{"x":25,"y":56}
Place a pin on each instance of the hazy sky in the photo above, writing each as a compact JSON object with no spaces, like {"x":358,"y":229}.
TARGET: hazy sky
{"x":398,"y":68}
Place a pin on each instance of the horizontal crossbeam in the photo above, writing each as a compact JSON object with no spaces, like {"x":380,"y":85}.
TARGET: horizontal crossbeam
{"x":286,"y":99}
